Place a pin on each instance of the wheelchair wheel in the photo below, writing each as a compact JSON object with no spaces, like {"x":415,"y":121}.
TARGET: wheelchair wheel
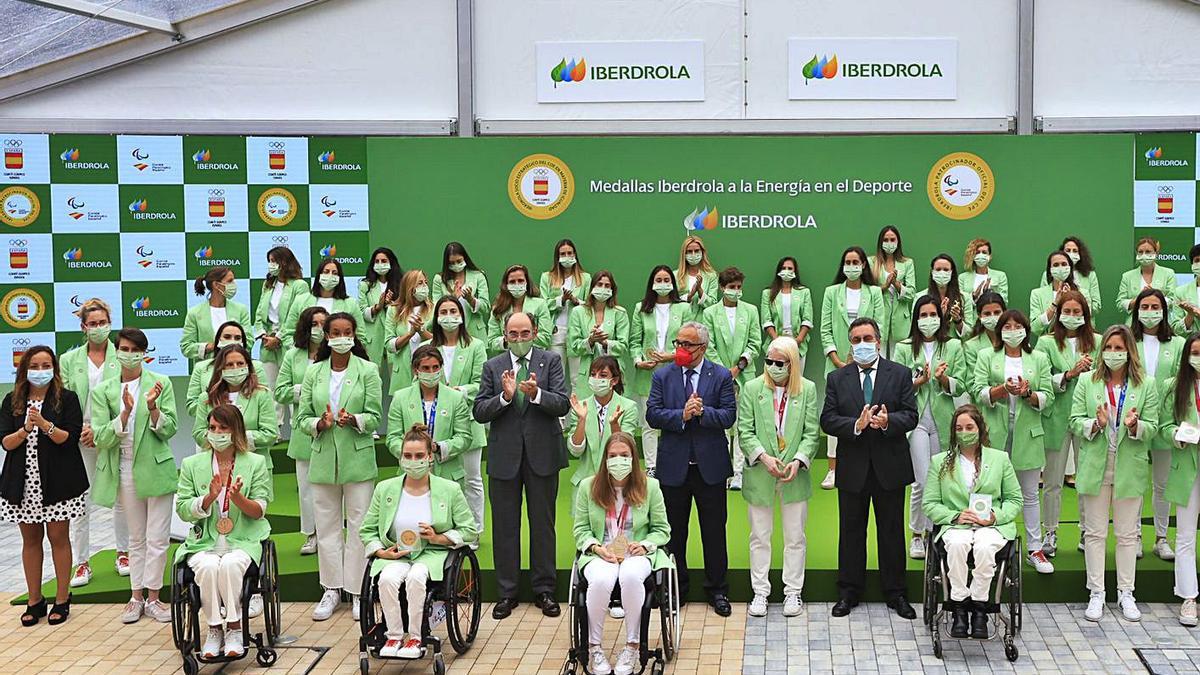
{"x":182,"y":627}
{"x":1010,"y":649}
{"x":266,"y":657}
{"x":439,"y":665}
{"x":464,"y":601}
{"x":937,"y":642}
{"x":929,"y":603}
{"x":269,"y":587}
{"x":190,"y":665}
{"x":672,"y":617}
{"x":1016,"y":593}
{"x":369,"y":612}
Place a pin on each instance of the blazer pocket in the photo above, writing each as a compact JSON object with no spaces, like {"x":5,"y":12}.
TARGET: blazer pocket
{"x":364,"y":443}
{"x":164,"y":454}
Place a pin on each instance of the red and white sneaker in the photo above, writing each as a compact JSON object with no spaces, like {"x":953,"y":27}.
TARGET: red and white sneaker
{"x":123,"y":563}
{"x":83,"y":576}
{"x":389,"y":649}
{"x":1040,"y":562}
{"x":411,"y":649}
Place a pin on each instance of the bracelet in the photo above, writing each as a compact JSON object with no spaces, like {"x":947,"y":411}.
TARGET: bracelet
{"x":51,"y":430}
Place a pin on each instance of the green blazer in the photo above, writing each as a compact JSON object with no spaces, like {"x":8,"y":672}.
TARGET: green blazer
{"x":73,"y":368}
{"x":946,"y":496}
{"x":553,"y":296}
{"x":650,"y":526}
{"x":594,"y":437}
{"x":1132,"y":471}
{"x":896,"y":319}
{"x":1089,"y":285}
{"x":476,"y":318}
{"x":1183,"y":459}
{"x":154,"y":472}
{"x":288,"y":386}
{"x":745,"y":339}
{"x":771,"y":313}
{"x":200,"y":378}
{"x":932,"y":393}
{"x":1184,"y":293}
{"x":1057,"y":424}
{"x":347,"y":305}
{"x":712,"y":293}
{"x":248,"y":533}
{"x":394,"y":327}
{"x":756,"y":433}
{"x":579,"y":326}
{"x":294,"y":289}
{"x":375,"y":327}
{"x":1028,"y":448}
{"x":966,"y":283}
{"x":835,"y":324}
{"x":341,"y":455}
{"x":971,"y":348}
{"x":1131,"y":284}
{"x":451,"y":517}
{"x":198,"y":328}
{"x":536,"y":307}
{"x":643,"y":337}
{"x":262,"y":427}
{"x":1040,"y":298}
{"x":1169,"y":355}
{"x":452,"y":428}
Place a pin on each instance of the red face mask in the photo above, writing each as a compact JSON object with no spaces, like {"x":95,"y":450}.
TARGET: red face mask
{"x":683,"y":357}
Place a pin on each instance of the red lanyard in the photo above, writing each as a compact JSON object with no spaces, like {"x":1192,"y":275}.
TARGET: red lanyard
{"x":780,"y":411}
{"x":1197,"y":394}
{"x":1112,"y":400}
{"x":618,"y":521}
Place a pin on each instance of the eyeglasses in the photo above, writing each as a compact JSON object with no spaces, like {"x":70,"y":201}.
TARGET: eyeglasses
{"x":773,"y":362}
{"x":688,"y":345}
{"x":523,"y":335}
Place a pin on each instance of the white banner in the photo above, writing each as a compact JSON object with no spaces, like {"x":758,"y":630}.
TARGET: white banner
{"x":872,"y":68}
{"x":593,"y":72}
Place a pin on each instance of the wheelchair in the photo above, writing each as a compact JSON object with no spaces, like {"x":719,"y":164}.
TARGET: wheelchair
{"x":662,"y":593}
{"x":456,"y":600}
{"x":187,"y":626}
{"x":1004,"y":607}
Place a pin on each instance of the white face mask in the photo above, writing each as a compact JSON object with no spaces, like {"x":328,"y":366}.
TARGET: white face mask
{"x":889,"y":247}
{"x":1146,"y":259}
{"x":1074,"y":256}
{"x":982,"y":259}
{"x":517,"y":290}
{"x":928,"y":325}
{"x":693,"y":258}
{"x":662,"y":289}
{"x":457,"y":267}
{"x":602,"y":293}
{"x":940,"y":277}
{"x":1013,"y":337}
{"x":382,"y":268}
{"x":787,"y":275}
{"x":567,"y":261}
{"x":341,"y":345}
{"x":852,"y":272}
{"x":1060,"y":273}
{"x":450,"y":322}
{"x":273,"y":269}
{"x":329,"y":281}
{"x":1194,"y":361}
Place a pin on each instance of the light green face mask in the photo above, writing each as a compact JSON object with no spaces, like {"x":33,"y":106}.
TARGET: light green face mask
{"x":787,"y":275}
{"x":1146,"y":259}
{"x":928,"y":325}
{"x":989,"y":322}
{"x":1194,"y":360}
{"x":1013,"y":337}
{"x":130,"y":360}
{"x":273,"y":269}
{"x":602,"y":293}
{"x":417,"y":468}
{"x":567,"y":261}
{"x":1071,"y":321}
{"x":235,"y":376}
{"x":218,"y":440}
{"x":450,"y":322}
{"x":733,"y":294}
{"x":778,"y":374}
{"x":317,"y":334}
{"x":852,"y":272}
{"x":341,"y":345}
{"x":457,"y":267}
{"x":520,"y":347}
{"x":1196,"y":269}
{"x":429,"y":379}
{"x":421,"y":293}
{"x":1115,"y":359}
{"x":99,"y":334}
{"x":382,"y":268}
{"x":619,"y":467}
{"x":1150,"y":317}
{"x":222,"y":344}
{"x":517,"y":290}
{"x":229,"y":290}
{"x":1060,"y":273}
{"x":1074,"y":256}
{"x":600,"y":386}
{"x":889,"y":247}
{"x":329,"y":281}
{"x":967,"y":439}
{"x":662,"y":289}
{"x":693,"y":258}
{"x":940,"y":277}
{"x":982,"y":259}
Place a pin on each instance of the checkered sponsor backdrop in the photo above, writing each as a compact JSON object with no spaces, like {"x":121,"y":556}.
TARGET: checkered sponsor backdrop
{"x":135,"y":219}
{"x":1166,"y":182}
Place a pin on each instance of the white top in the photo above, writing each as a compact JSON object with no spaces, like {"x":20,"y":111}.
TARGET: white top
{"x":560,"y":321}
{"x":218,"y":315}
{"x":95,"y":375}
{"x":1013,"y":369}
{"x":1113,"y":423}
{"x":662,"y":319}
{"x":326,"y":303}
{"x":780,"y":420}
{"x":967,"y":469}
{"x":233,"y":398}
{"x":928,"y":348}
{"x":979,"y":279}
{"x":415,"y":340}
{"x":785,"y":308}
{"x":1074,"y":344}
{"x":135,"y":390}
{"x":731,"y":317}
{"x":427,"y":407}
{"x":336,"y":380}
{"x":273,"y":305}
{"x":1151,"y":346}
{"x":413,"y":509}
{"x":853,"y":300}
{"x":447,"y":361}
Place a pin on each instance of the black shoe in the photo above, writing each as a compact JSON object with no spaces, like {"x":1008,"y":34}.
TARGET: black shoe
{"x":504,"y":608}
{"x":60,"y":612}
{"x":902,"y":608}
{"x":843,"y":606}
{"x":979,"y":623}
{"x":720,"y":604}
{"x":33,"y":613}
{"x":548,"y":605}
{"x":958,"y":620}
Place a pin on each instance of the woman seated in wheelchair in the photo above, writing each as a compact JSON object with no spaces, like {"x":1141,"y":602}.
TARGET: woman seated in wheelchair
{"x":973,"y":497}
{"x":223,"y":494}
{"x":620,"y":529}
{"x":412,"y":523}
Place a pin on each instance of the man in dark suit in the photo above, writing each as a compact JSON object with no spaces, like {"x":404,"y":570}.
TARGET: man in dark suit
{"x":869,"y":407}
{"x":523,"y":393}
{"x":692,"y":403}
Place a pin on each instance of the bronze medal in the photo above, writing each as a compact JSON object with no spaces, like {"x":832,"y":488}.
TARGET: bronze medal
{"x":225,"y":525}
{"x":619,"y":546}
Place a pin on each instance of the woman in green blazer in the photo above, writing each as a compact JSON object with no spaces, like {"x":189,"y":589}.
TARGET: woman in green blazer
{"x":1115,"y":413}
{"x":778,"y":430}
{"x":408,"y":327}
{"x":83,"y":369}
{"x":341,"y":402}
{"x":564,"y":287}
{"x":1044,"y":300}
{"x":598,"y":327}
{"x":440,"y":411}
{"x":938,"y":375}
{"x":223,"y":493}
{"x":985,"y":333}
{"x":1186,"y":298}
{"x":1179,"y":418}
{"x":228,"y":333}
{"x":463,"y":281}
{"x":516,"y":295}
{"x":1160,"y":352}
{"x":1014,"y":390}
{"x":199,"y":326}
{"x":652,"y":328}
{"x":620,"y":529}
{"x":957,"y":308}
{"x":1072,"y":348}
{"x":310,"y":333}
{"x":595,"y":418}
{"x":328,"y":291}
{"x":1083,"y":271}
{"x":376,"y":292}
{"x":411,"y":524}
{"x":283,"y":286}
{"x":1147,"y":274}
{"x":696,"y":278}
{"x":133,"y":418}
{"x":896,"y":275}
{"x":786,"y":306}
{"x":978,"y":275}
{"x":235,"y":381}
{"x":463,"y":356}
{"x":970,"y":468}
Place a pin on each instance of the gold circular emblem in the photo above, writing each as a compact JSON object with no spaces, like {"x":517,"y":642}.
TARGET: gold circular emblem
{"x":541,"y":186}
{"x":277,"y":207}
{"x":961,"y":185}
{"x":22,"y":308}
{"x":19,"y":206}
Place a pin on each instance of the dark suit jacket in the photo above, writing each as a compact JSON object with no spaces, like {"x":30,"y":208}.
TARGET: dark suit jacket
{"x":704,"y":435}
{"x":60,"y":466}
{"x":883,"y":451}
{"x":535,"y":435}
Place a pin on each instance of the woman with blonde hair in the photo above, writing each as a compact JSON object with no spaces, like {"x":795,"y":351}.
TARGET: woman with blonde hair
{"x":564,"y":287}
{"x":696,"y":277}
{"x":978,"y":275}
{"x":408,"y":327}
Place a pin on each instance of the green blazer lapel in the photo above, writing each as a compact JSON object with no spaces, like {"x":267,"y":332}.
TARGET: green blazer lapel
{"x":391,"y":503}
{"x":439,"y":505}
{"x":204,"y":320}
{"x":592,"y":424}
{"x":742,"y":323}
{"x":650,"y":328}
{"x":725,"y":342}
{"x":839,"y":304}
{"x":791,"y":424}
{"x":350,"y":392}
{"x":145,"y":383}
{"x":443,"y":427}
{"x":639,"y":515}
{"x":1167,"y":358}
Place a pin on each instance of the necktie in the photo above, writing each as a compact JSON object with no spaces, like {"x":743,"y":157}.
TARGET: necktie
{"x":522,"y":375}
{"x":689,"y":387}
{"x":868,"y":386}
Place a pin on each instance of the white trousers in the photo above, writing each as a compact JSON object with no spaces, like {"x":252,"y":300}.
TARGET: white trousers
{"x":1160,"y":468}
{"x":282,"y":410}
{"x":1185,"y":544}
{"x":795,"y":546}
{"x":1126,"y":518}
{"x":831,"y":447}
{"x":308,"y":525}
{"x":81,"y":527}
{"x":923,"y":443}
{"x":1031,"y":509}
{"x":1052,"y":477}
{"x":339,"y":510}
{"x":473,"y":483}
{"x":413,"y":576}
{"x":219,"y":577}
{"x":570,"y":364}
{"x":984,"y":542}
{"x":149,"y":532}
{"x":601,"y":576}
{"x":650,"y":435}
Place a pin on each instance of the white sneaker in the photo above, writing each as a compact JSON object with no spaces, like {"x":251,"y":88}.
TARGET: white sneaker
{"x":159,"y":611}
{"x":827,"y":483}
{"x":411,"y":649}
{"x":1050,"y":543}
{"x":916,"y":549}
{"x":329,"y":602}
{"x":1080,"y":546}
{"x":122,"y":564}
{"x":1162,"y":549}
{"x":792,"y":605}
{"x":310,"y":545}
{"x":598,"y":663}
{"x":758,"y":606}
{"x":626,"y":661}
{"x":389,"y":649}
{"x":735,"y":483}
{"x":133,"y":611}
{"x":354,"y":607}
{"x":1128,"y":605}
{"x":1187,"y":612}
{"x":1095,"y":608}
{"x":617,"y":612}
{"x":1141,"y":552}
{"x":256,"y":606}
{"x":233,"y":643}
{"x":1040,"y":562}
{"x":212,"y":643}
{"x":83,"y":576}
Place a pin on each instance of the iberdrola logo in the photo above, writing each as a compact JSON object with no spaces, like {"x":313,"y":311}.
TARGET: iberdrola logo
{"x":706,"y":219}
{"x":1154,"y":153}
{"x":824,"y":69}
{"x":568,"y":72}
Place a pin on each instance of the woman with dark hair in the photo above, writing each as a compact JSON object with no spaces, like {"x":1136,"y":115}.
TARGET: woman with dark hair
{"x":598,"y":327}
{"x":652,"y":327}
{"x":598,"y":416}
{"x":310,"y":333}
{"x":228,"y":334}
{"x":408,"y":327}
{"x":1013,"y":389}
{"x":328,"y":291}
{"x":896,"y":275}
{"x":1044,"y":300}
{"x":517,"y":295}
{"x":462,"y":280}
{"x":564,"y":287}
{"x":1084,"y":275}
{"x":341,"y":402}
{"x":43,"y":480}
{"x":1180,"y":420}
{"x":376,"y":292}
{"x":1187,"y":297}
{"x":786,"y":306}
{"x":198,"y":341}
{"x":696,"y":278}
{"x":944,"y":288}
{"x":234,"y":381}
{"x":284,"y":284}
{"x":978,"y":274}
{"x":985,"y":334}
{"x":1147,"y":274}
